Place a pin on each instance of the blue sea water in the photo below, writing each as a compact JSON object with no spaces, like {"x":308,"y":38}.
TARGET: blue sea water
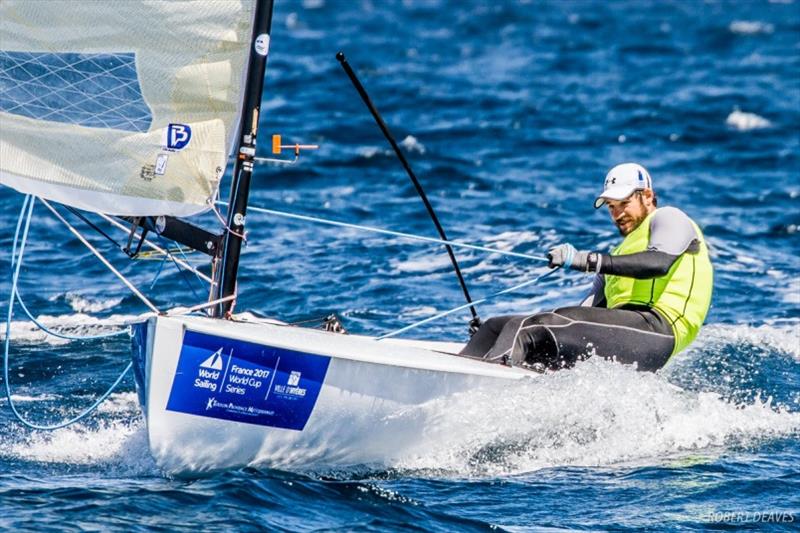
{"x":510,"y":112}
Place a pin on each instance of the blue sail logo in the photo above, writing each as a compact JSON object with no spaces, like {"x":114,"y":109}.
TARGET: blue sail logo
{"x":178,"y":136}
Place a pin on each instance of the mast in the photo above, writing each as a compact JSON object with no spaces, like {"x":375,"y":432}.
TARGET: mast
{"x":227,"y":258}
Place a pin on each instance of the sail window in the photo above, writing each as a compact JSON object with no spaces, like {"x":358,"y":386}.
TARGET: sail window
{"x":96,"y":90}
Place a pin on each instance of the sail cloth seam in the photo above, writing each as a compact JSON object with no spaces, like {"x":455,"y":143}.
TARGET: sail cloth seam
{"x":236,"y":129}
{"x":465,"y":306}
{"x":410,"y":236}
{"x":16,"y":264}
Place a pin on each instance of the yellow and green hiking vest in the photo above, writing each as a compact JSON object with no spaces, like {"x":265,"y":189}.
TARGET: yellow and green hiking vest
{"x":682,"y":296}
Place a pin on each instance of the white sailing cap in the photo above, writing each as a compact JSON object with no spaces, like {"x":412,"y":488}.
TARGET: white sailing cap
{"x":622,"y":181}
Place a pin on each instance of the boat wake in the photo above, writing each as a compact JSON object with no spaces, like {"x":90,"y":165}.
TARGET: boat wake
{"x":115,"y":441}
{"x":596,"y":414}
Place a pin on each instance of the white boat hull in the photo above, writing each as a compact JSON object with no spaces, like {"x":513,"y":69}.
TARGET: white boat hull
{"x":219,"y":394}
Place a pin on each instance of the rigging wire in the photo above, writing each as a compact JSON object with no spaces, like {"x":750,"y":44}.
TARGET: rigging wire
{"x":185,"y":264}
{"x":93,"y":226}
{"x":410,"y":236}
{"x":16,"y":264}
{"x":461,"y":307}
{"x":105,"y":261}
{"x":225,"y":225}
{"x":181,"y":271}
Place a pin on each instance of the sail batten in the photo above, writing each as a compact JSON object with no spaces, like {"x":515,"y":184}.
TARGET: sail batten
{"x":121,"y":107}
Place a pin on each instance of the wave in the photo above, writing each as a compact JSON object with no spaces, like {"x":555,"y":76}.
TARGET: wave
{"x":750,"y":27}
{"x":597,"y":414}
{"x":115,"y":439}
{"x":78,"y":324}
{"x":83,"y":304}
{"x":781,"y":337}
{"x":746,"y":121}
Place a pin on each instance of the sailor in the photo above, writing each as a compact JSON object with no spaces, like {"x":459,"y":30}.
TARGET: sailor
{"x":649,"y":296}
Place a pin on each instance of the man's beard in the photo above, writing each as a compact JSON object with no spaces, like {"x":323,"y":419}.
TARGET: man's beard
{"x":634,"y":223}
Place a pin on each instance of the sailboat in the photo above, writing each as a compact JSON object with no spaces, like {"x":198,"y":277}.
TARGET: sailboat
{"x":131,"y":111}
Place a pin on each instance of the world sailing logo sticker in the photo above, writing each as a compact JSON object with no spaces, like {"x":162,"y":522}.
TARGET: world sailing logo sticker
{"x":176,"y":137}
{"x":214,"y":362}
{"x":262,"y":44}
{"x":229,"y":379}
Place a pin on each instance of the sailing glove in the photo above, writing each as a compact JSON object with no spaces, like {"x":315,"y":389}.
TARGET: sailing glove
{"x":565,"y":255}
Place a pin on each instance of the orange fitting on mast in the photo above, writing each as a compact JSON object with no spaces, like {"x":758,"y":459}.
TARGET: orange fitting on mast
{"x":277,"y":147}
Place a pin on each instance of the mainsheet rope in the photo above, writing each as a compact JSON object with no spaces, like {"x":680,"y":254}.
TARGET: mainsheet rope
{"x":460,"y":307}
{"x":23,"y":223}
{"x":412,"y":236}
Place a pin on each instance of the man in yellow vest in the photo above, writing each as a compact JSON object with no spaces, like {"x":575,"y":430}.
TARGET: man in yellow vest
{"x":649,"y":298}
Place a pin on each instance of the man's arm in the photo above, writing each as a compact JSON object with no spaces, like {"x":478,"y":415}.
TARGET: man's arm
{"x":671,"y":235}
{"x":642,"y":265}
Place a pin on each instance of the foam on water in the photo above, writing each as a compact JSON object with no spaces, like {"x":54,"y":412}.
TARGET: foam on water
{"x":746,"y":121}
{"x":82,"y":304}
{"x":28,"y":398}
{"x":750,"y":27}
{"x":420,"y":263}
{"x":115,"y":438}
{"x":78,"y":324}
{"x":778,"y":336}
{"x":597,"y":414}
{"x":412,"y":145}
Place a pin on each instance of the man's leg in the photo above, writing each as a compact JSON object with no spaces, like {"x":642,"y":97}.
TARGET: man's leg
{"x":492,"y":335}
{"x":560,"y":338}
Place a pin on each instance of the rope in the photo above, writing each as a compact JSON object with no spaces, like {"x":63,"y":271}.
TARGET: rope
{"x":184,"y":264}
{"x":158,"y":272}
{"x":461,"y":307}
{"x":411,"y":236}
{"x":224,"y":223}
{"x":16,"y":264}
{"x":181,"y":271}
{"x":105,"y":261}
{"x":93,"y":226}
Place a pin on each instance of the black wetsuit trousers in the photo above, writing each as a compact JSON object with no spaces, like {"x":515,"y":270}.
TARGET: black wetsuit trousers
{"x":630,"y":334}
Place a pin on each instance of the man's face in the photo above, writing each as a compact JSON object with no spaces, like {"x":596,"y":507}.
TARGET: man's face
{"x":627,"y":214}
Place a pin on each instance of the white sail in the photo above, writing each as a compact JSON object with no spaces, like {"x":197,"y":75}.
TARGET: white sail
{"x":119,"y":106}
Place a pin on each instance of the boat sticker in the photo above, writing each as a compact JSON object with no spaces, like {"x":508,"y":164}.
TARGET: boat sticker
{"x":176,"y":137}
{"x":161,"y":164}
{"x":148,"y":172}
{"x":229,"y":379}
{"x":262,"y":44}
{"x":139,"y":359}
